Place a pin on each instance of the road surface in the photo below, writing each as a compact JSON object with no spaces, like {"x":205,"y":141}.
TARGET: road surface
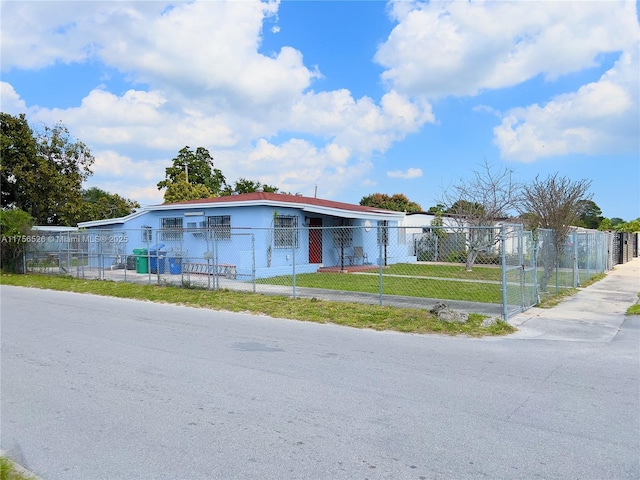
{"x":105,"y":388}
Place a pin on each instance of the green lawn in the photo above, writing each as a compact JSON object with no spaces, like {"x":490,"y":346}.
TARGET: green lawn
{"x":444,"y":271}
{"x":402,"y":284}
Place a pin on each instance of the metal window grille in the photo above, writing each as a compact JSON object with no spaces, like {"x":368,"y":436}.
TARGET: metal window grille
{"x":147,"y":234}
{"x":171,"y":228}
{"x":219,"y":227}
{"x":285,"y":231}
{"x":383,"y":232}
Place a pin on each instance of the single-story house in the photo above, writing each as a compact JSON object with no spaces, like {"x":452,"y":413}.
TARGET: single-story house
{"x":261,"y":234}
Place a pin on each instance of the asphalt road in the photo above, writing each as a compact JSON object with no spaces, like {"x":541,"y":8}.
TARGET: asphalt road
{"x":104,"y":388}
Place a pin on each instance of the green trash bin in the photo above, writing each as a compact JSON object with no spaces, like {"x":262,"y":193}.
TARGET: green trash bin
{"x":142,"y":265}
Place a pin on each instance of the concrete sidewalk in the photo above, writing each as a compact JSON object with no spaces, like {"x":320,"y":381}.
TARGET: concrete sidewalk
{"x":594,"y":314}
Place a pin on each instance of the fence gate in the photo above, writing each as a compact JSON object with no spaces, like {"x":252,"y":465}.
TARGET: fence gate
{"x":519,"y":274}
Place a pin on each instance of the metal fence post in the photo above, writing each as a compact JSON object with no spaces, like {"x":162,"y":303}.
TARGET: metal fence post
{"x":126,"y":259}
{"x":536,"y":291}
{"x":520,"y":234}
{"x":576,"y":271}
{"x":588,"y":259}
{"x":293,"y":267}
{"x":253,"y":261}
{"x":158,"y":236}
{"x":503,"y":244}
{"x":380,"y":270}
{"x":216,"y":262}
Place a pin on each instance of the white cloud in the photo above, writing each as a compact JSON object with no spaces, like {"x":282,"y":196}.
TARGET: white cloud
{"x":360,"y":125}
{"x":345,"y":132}
{"x":298,"y":166}
{"x":142,"y":119}
{"x":207,"y":49}
{"x":460,"y":48}
{"x":440,"y":49}
{"x":208,"y":85}
{"x":405,"y":174}
{"x":40,"y":34}
{"x":111,"y":164}
{"x":143,"y":194}
{"x":10,"y":101}
{"x":193,"y":48}
{"x":134,"y":179}
{"x":601,"y":117}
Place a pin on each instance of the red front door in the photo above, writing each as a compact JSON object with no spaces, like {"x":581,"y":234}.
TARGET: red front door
{"x":315,"y":240}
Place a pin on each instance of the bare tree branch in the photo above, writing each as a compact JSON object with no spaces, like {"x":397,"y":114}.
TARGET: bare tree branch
{"x":488,"y":197}
{"x":554,"y":204}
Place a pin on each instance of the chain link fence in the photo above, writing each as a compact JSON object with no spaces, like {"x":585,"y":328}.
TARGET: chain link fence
{"x":496,"y":271}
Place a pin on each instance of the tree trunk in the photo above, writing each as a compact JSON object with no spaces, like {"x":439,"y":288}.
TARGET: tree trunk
{"x":471,"y":259}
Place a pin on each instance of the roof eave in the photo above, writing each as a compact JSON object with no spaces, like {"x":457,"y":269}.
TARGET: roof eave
{"x":336,"y":212}
{"x":112,"y":221}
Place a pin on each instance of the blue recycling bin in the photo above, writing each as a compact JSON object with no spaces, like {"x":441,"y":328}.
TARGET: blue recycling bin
{"x":175,"y":265}
{"x":156,"y":258}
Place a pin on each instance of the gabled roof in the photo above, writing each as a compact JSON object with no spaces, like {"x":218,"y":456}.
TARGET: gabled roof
{"x":282,"y":200}
{"x":278,"y":199}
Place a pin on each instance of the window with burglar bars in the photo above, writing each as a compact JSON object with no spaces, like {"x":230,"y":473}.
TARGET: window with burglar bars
{"x":147,"y":234}
{"x":171,"y":228}
{"x":383,"y":232}
{"x":285,"y":231}
{"x":219,"y":227}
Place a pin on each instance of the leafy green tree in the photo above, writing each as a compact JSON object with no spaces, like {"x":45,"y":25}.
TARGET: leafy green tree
{"x":197,"y":168}
{"x":98,"y":204}
{"x":468,"y":209}
{"x":437,"y":209}
{"x":397,"y":202}
{"x":66,"y":164}
{"x":619,"y":225}
{"x":180,"y":190}
{"x":631,"y":227}
{"x":589,"y":214}
{"x":243,"y":185}
{"x":605,"y":224}
{"x":43,"y":176}
{"x":610,"y":223}
{"x":19,"y":152}
{"x":14,"y":225}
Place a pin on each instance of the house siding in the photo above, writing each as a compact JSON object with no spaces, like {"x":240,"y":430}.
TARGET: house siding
{"x":250,"y":246}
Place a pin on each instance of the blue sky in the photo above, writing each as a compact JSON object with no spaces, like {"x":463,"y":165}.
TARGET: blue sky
{"x":352,"y":97}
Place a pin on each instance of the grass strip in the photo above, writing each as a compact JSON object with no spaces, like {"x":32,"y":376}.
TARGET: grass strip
{"x":355,"y":315}
{"x":10,"y":471}
{"x":634,"y":309}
